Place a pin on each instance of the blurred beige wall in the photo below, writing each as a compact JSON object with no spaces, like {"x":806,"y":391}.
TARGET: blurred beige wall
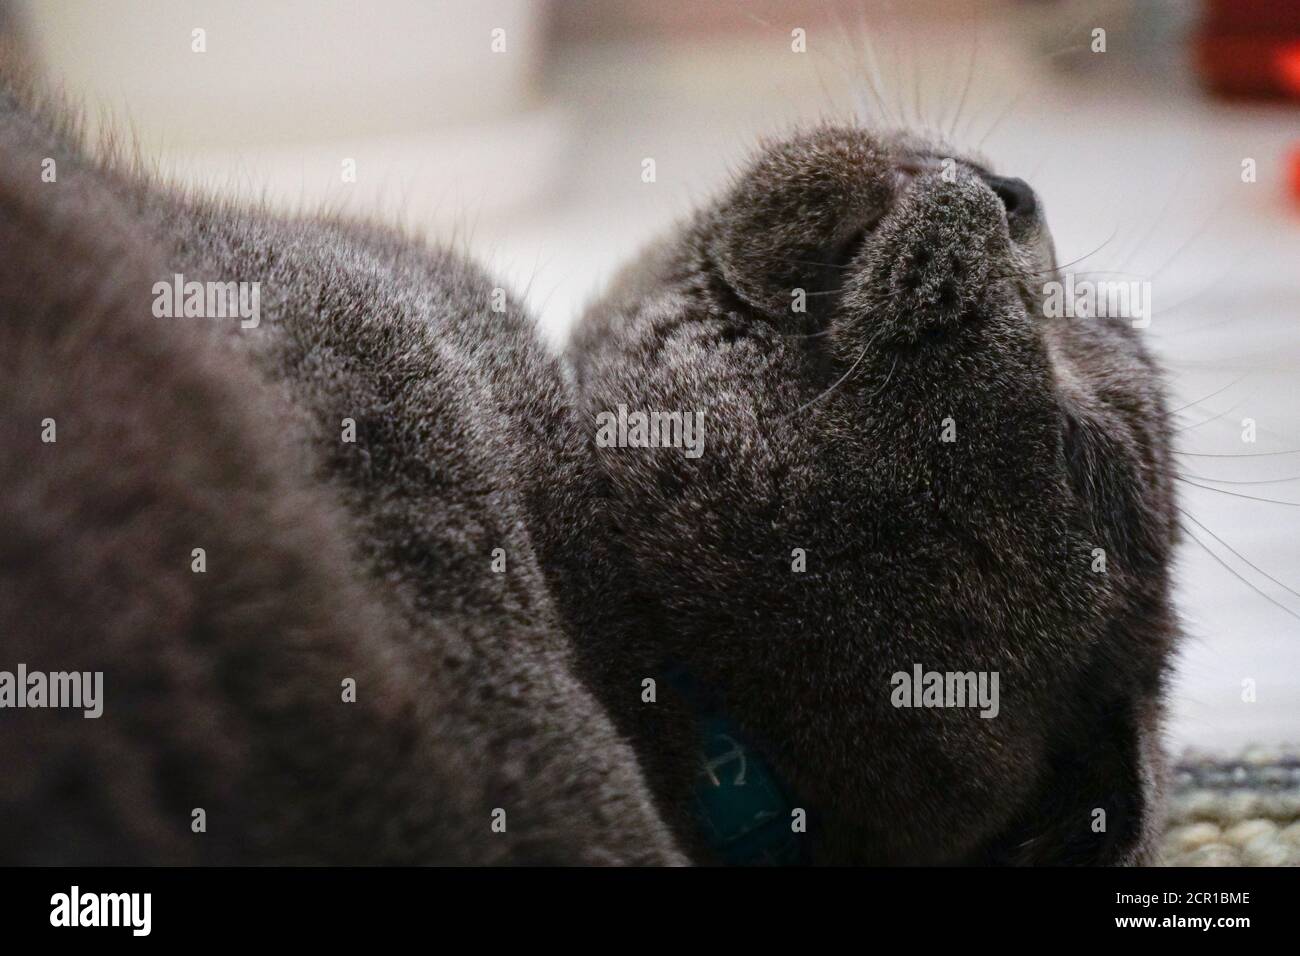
{"x":291,"y":70}
{"x":645,"y":19}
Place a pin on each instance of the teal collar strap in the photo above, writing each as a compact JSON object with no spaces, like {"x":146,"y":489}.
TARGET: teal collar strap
{"x":739,"y":804}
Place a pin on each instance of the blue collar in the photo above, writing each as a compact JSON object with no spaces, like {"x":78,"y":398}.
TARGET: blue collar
{"x":740,"y":806}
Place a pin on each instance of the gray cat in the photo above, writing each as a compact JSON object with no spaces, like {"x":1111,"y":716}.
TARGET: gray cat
{"x":918,"y":470}
{"x":374,"y":663}
{"x":365,"y":585}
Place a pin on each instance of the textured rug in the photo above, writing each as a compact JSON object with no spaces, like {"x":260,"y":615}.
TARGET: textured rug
{"x":1242,"y":811}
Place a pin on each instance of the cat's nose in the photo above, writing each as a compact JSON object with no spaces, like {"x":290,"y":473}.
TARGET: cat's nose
{"x":931,"y":263}
{"x":1016,"y":195}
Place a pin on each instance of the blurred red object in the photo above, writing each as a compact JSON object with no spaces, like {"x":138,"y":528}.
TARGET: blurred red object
{"x":1252,"y":16}
{"x":1250,"y":48}
{"x":1288,"y":66}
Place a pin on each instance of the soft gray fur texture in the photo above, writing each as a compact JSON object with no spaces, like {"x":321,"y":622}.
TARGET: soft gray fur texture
{"x":325,"y":560}
{"x":822,"y":432}
{"x":521,"y":690}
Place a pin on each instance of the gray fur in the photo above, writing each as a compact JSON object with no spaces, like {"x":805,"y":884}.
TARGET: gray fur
{"x":326,"y":560}
{"x":521,"y":690}
{"x":823,"y":433}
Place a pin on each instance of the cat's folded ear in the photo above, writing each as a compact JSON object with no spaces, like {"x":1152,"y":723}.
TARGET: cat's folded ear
{"x":791,"y":218}
{"x":1098,"y":801}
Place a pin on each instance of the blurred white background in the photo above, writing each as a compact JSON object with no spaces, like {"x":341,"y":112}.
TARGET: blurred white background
{"x":531,"y":157}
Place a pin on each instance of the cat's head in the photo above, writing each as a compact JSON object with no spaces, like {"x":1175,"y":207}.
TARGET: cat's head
{"x":906,"y":463}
